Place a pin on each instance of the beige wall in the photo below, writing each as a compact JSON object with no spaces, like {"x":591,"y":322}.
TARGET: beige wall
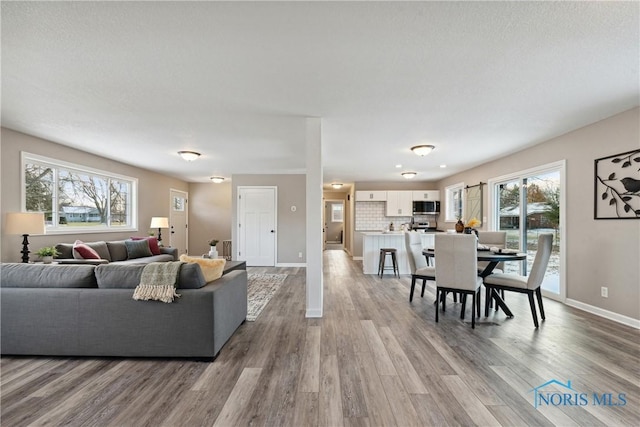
{"x":153,"y":189}
{"x":291,"y":237}
{"x":599,"y":252}
{"x":210,"y":213}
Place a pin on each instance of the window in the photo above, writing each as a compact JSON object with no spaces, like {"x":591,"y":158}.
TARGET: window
{"x":336,"y":212}
{"x":76,"y":198}
{"x":453,"y":202}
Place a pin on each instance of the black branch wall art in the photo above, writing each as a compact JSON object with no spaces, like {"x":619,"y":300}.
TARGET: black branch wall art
{"x":617,"y":186}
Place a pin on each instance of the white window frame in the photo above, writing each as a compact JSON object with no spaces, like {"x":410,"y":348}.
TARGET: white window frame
{"x":26,"y":158}
{"x":561,"y":166}
{"x":337,"y":212}
{"x":449,"y":191}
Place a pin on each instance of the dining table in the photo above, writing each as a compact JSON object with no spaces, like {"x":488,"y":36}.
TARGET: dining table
{"x":493,"y":258}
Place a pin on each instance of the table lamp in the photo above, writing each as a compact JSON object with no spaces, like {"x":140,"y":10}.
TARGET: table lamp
{"x":159,"y":222}
{"x":25,"y":223}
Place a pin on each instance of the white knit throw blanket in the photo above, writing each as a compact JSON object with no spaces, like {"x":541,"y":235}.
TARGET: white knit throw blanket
{"x":158,"y":282}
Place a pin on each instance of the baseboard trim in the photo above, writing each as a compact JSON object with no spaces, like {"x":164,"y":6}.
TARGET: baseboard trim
{"x":620,"y":318}
{"x":313,"y":313}
{"x":291,"y":264}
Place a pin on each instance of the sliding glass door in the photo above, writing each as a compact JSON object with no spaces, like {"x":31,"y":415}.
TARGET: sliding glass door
{"x":526,"y":204}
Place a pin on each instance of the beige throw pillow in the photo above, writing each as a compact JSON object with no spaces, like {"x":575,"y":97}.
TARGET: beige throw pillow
{"x":211,"y":268}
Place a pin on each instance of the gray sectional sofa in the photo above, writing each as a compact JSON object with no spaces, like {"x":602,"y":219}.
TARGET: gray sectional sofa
{"x":87,"y":310}
{"x":112,"y":252}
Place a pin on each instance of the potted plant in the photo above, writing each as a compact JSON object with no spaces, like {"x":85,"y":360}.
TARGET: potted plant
{"x":213,"y":252}
{"x":47,"y":253}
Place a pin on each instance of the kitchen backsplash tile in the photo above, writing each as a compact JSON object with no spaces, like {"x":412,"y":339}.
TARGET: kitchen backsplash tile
{"x":370,"y":216}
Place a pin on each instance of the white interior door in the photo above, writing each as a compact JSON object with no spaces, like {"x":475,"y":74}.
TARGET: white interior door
{"x":257,"y":226}
{"x":178,"y":215}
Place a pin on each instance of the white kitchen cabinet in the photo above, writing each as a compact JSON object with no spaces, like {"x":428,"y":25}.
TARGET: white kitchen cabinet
{"x":426,"y":195}
{"x":399,"y":203}
{"x":371,"y":196}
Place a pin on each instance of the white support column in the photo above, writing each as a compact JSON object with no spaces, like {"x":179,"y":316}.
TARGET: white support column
{"x":314,"y":217}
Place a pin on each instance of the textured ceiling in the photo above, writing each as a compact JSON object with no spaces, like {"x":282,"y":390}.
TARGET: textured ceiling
{"x":138,"y":81}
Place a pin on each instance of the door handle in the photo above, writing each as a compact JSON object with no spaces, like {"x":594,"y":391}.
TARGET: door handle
{"x":273,"y":231}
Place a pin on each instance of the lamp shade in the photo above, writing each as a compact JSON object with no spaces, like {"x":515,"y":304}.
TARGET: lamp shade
{"x":189,"y":155}
{"x":409,"y":175}
{"x":24,"y":223}
{"x":422,"y":150}
{"x":159,"y":222}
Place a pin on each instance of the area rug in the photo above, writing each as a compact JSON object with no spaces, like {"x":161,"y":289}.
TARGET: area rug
{"x":261,"y":287}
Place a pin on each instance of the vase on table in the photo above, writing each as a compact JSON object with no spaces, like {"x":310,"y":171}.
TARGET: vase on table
{"x":47,"y":259}
{"x":459,"y":226}
{"x":213,"y":252}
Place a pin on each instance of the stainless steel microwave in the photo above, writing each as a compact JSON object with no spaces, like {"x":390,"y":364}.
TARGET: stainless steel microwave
{"x":425,"y":207}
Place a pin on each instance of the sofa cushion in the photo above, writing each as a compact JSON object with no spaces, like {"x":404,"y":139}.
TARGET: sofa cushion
{"x":65,"y":250}
{"x":137,"y":249}
{"x":127,"y":276}
{"x":20,"y":275}
{"x":117,"y":250}
{"x":211,"y":268}
{"x":153,"y":244}
{"x":83,"y":251}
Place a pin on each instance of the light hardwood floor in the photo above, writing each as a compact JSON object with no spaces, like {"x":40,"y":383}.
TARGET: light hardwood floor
{"x":373,"y":359}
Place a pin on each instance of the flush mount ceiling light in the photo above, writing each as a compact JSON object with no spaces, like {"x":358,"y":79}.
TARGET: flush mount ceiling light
{"x":409,"y":175}
{"x":336,"y":185}
{"x":189,"y":156}
{"x":217,"y":179}
{"x":422,"y":150}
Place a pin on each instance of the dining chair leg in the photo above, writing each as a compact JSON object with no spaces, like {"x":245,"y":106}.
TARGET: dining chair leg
{"x":437,"y":300}
{"x":413,"y":286}
{"x":487,"y":300}
{"x":424,"y":285}
{"x":443,"y":298}
{"x":463,"y":300}
{"x":473,"y":314}
{"x":540,"y":305}
{"x":478,"y":304}
{"x":532,"y":303}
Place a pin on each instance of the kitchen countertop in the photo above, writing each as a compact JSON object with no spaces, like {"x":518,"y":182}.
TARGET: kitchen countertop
{"x":391,"y":233}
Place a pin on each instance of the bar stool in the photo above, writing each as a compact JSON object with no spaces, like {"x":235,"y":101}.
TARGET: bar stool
{"x":383,"y":255}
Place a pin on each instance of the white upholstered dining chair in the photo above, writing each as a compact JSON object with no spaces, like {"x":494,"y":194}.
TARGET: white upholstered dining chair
{"x":457,"y":271}
{"x":417,"y":262}
{"x":525,"y":284}
{"x":492,"y":239}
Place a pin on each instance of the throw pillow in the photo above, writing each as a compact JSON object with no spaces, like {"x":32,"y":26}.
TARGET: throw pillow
{"x":83,"y":251}
{"x":153,"y":244}
{"x":137,"y":249}
{"x":211,"y":268}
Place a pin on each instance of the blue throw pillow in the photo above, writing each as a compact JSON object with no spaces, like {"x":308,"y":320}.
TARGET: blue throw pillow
{"x":137,"y":248}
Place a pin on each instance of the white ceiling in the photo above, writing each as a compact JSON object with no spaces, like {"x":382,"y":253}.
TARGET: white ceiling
{"x":138,"y":81}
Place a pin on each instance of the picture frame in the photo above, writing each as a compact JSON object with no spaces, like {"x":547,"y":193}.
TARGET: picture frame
{"x":617,"y":186}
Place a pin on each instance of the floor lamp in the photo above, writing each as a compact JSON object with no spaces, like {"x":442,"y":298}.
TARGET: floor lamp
{"x":25,"y":223}
{"x":159,"y":222}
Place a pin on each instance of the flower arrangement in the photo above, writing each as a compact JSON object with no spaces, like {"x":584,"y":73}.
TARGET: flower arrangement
{"x":213,"y":242}
{"x":473,"y":223}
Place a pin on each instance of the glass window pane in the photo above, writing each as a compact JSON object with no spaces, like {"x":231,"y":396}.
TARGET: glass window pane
{"x":83,"y":199}
{"x":119,"y":203}
{"x":39,"y":190}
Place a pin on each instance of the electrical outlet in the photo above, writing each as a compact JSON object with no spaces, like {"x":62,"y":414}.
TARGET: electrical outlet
{"x":299,"y":254}
{"x":604,"y":292}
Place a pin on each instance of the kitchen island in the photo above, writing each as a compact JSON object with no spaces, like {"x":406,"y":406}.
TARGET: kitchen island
{"x":373,"y":241}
